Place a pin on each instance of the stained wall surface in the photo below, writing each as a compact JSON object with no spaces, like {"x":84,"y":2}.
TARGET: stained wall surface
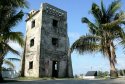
{"x":49,"y":54}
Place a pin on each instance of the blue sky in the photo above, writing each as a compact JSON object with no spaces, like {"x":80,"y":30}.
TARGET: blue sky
{"x":77,"y":9}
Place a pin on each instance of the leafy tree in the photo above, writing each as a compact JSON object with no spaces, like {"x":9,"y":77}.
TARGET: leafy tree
{"x":10,"y":17}
{"x":121,"y":72}
{"x":76,"y":76}
{"x":102,"y":74}
{"x":106,"y":28}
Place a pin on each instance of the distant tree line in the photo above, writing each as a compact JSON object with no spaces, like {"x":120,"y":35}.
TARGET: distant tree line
{"x":102,"y":74}
{"x":121,"y":72}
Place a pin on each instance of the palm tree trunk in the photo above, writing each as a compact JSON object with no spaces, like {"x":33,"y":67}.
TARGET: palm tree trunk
{"x":2,"y":55}
{"x":1,"y":62}
{"x":23,"y":65}
{"x":23,"y":60}
{"x":113,"y":71}
{"x":70,"y":72}
{"x":112,"y":59}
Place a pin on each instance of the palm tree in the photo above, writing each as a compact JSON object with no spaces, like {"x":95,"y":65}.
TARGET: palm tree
{"x":106,"y":28}
{"x":5,"y":37}
{"x":10,"y":17}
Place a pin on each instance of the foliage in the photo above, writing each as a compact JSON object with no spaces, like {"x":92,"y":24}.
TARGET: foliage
{"x":9,"y":62}
{"x":121,"y":72}
{"x":102,"y":74}
{"x":76,"y":76}
{"x":102,"y":33}
{"x":10,"y":16}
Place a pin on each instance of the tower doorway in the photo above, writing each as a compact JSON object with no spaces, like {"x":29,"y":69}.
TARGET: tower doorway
{"x":55,"y":69}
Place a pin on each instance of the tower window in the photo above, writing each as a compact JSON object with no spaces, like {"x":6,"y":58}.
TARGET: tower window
{"x":33,"y":24}
{"x":31,"y":42}
{"x":31,"y":65}
{"x":55,"y":23}
{"x":55,"y":42}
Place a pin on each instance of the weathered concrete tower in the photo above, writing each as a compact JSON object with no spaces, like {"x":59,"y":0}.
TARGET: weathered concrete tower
{"x":46,"y":53}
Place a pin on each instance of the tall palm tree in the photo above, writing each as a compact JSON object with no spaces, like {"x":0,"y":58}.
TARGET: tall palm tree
{"x":106,"y":28}
{"x":10,"y":17}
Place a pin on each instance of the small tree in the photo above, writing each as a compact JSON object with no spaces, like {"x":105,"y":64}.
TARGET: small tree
{"x":102,"y":74}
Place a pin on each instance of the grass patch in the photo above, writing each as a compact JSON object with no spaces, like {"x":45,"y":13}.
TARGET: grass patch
{"x":45,"y":78}
{"x":32,"y":78}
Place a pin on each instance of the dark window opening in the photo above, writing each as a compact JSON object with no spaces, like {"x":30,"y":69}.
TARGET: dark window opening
{"x":55,"y":23}
{"x":33,"y":23}
{"x":31,"y":42}
{"x":31,"y":65}
{"x":55,"y":69}
{"x":55,"y":42}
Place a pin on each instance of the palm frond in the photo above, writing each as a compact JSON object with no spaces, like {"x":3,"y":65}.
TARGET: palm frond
{"x":9,"y":63}
{"x":96,"y":12}
{"x":14,"y":3}
{"x":3,"y":16}
{"x":118,"y":32}
{"x":12,"y":20}
{"x":113,"y":7}
{"x":104,"y":46}
{"x":103,"y":8}
{"x":92,"y":26}
{"x":16,"y":37}
{"x":86,"y":43}
{"x":122,"y":36}
{"x":11,"y":49}
{"x":123,"y":22}
{"x":13,"y":59}
{"x":21,"y":3}
{"x":115,"y":22}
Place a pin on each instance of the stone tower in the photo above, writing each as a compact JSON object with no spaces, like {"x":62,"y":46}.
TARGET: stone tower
{"x":47,"y":44}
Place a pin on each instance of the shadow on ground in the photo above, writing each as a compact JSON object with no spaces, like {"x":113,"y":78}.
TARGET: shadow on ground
{"x":6,"y":80}
{"x":109,"y":81}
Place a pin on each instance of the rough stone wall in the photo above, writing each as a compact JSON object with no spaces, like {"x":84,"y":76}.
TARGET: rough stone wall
{"x":43,"y":53}
{"x":48,"y":51}
{"x":33,"y":53}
